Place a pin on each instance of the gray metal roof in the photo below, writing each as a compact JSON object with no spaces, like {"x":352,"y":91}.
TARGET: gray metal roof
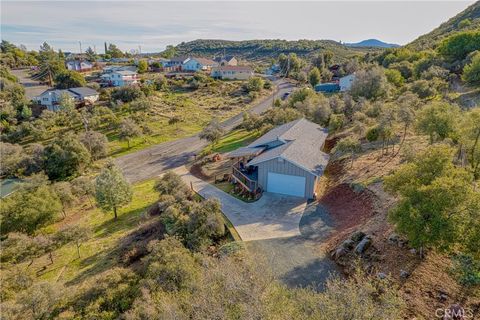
{"x":245,"y":151}
{"x":302,"y":142}
{"x":84,"y":91}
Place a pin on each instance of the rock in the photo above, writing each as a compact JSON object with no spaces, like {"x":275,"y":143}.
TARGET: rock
{"x":402,"y":243}
{"x":413,"y":251}
{"x":381,"y":275}
{"x":404,"y":274}
{"x":363,"y":245}
{"x":338,"y":253}
{"x":393,"y":238}
{"x":443,"y":297}
{"x":357,"y":236}
{"x":348,"y":244}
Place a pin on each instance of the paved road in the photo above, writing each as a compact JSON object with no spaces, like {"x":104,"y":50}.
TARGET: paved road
{"x":282,"y":232}
{"x":33,"y":88}
{"x":151,"y":162}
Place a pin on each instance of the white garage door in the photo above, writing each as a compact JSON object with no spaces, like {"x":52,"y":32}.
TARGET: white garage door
{"x":286,"y":184}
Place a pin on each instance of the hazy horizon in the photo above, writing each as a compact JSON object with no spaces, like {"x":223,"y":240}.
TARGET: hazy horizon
{"x":153,"y":25}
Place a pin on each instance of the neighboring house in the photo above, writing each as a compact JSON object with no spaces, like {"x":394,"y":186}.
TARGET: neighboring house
{"x":346,"y":82}
{"x":226,"y":61}
{"x":119,"y":78}
{"x":198,"y":64}
{"x":51,"y":98}
{"x":79,"y":65}
{"x":328,"y":87}
{"x":232,"y":72}
{"x":288,"y":160}
{"x":175,"y":63}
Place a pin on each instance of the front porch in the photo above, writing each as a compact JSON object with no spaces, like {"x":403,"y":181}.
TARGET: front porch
{"x":243,"y":176}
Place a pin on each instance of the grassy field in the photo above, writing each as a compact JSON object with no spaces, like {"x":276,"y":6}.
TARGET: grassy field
{"x":196,"y":109}
{"x":100,"y":251}
{"x":233,"y":140}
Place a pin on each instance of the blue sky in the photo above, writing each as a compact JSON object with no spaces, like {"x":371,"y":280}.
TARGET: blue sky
{"x":154,"y":24}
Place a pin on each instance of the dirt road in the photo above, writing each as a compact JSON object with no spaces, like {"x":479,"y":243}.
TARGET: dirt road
{"x":152,"y":161}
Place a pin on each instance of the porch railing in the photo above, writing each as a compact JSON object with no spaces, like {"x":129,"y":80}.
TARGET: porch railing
{"x":248,"y":183}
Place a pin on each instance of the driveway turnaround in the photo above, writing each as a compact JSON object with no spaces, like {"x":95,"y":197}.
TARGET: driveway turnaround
{"x":272,"y":216}
{"x":283,"y":232}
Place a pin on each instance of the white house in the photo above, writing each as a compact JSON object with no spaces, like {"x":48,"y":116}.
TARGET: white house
{"x":79,"y":65}
{"x":345,"y":83}
{"x":198,"y":64}
{"x":232,"y":72}
{"x":51,"y":98}
{"x":119,"y":78}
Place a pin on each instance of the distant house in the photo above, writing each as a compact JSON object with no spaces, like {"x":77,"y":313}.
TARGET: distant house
{"x":79,"y":65}
{"x":232,"y":72}
{"x":226,"y":61}
{"x":346,"y":82}
{"x":113,"y":68}
{"x":119,"y":78}
{"x":328,"y":87}
{"x":287,"y":160}
{"x":51,"y":98}
{"x":175,"y":63}
{"x":198,"y":64}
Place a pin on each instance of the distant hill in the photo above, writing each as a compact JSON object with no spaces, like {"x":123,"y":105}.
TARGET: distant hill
{"x":374,"y":43}
{"x":468,"y":19}
{"x":264,"y":49}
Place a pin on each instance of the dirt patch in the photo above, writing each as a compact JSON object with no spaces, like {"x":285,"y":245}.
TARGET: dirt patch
{"x":347,"y":207}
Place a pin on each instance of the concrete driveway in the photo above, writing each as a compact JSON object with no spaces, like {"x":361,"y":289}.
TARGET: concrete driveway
{"x":280,"y":231}
{"x":272,"y":216}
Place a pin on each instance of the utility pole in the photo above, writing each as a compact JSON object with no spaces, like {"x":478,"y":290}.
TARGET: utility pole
{"x":80,"y":42}
{"x":95,"y":49}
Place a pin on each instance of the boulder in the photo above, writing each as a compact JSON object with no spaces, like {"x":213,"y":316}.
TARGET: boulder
{"x":404,"y":274}
{"x":357,"y":236}
{"x":413,"y":251}
{"x":363,"y":245}
{"x":338,"y":253}
{"x":393,"y":238}
{"x":381,"y":275}
{"x":348,"y":244}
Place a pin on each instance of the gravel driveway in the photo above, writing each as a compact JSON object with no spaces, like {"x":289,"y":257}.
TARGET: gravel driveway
{"x":284,"y":232}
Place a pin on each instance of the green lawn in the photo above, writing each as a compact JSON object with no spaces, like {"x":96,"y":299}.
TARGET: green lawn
{"x":233,"y":140}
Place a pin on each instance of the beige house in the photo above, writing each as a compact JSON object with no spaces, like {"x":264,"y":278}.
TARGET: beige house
{"x":232,"y":72}
{"x":226,"y":61}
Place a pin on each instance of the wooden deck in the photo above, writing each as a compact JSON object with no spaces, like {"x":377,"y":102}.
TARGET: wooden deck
{"x":244,"y":181}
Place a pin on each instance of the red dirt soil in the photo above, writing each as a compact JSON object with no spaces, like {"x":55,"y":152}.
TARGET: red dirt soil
{"x":347,"y":207}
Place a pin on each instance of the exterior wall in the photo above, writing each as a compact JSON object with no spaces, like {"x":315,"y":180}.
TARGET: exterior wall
{"x":289,"y":168}
{"x":91,"y":99}
{"x":191,"y":65}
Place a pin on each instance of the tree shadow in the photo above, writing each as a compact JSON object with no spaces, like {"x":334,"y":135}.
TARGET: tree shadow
{"x":124,"y":222}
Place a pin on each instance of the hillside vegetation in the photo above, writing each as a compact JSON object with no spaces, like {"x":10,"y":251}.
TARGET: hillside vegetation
{"x":261,"y":49}
{"x":469,"y":19}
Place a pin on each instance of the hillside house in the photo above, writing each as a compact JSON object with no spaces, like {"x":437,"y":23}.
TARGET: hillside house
{"x":198,"y":64}
{"x":232,"y":72}
{"x":81,"y":95}
{"x":226,"y":61}
{"x":79,"y":65}
{"x":287,"y":160}
{"x":119,"y":78}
